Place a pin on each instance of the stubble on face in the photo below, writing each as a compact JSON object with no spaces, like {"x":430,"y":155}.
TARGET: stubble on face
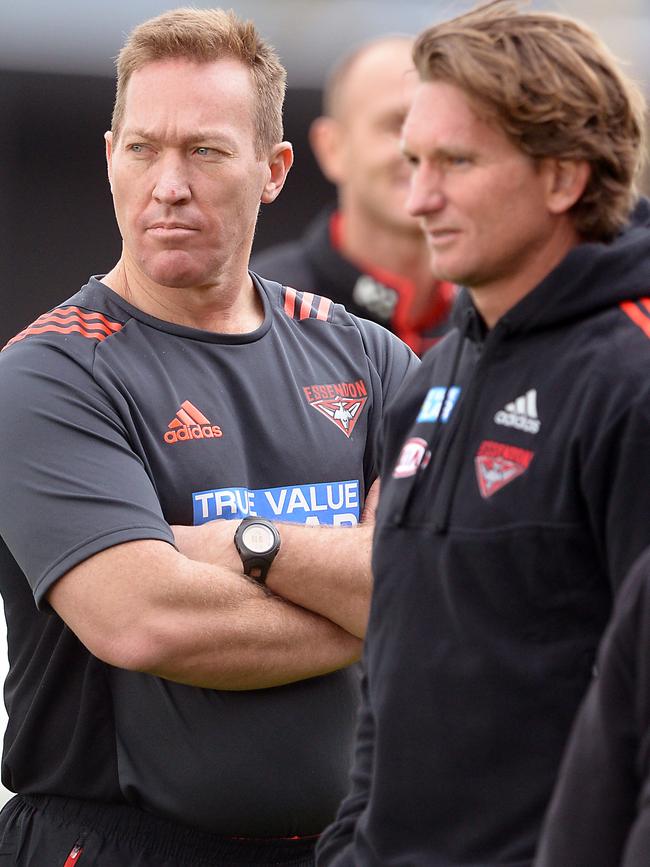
{"x":480,"y":200}
{"x":185,"y":176}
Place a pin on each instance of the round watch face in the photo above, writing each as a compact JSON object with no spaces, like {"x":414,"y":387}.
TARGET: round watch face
{"x":258,"y":538}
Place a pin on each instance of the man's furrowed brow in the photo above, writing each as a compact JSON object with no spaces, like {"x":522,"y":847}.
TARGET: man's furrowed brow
{"x":206,"y":134}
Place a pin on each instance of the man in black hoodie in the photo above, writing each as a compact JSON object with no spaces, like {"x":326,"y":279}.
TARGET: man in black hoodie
{"x":516,"y":483}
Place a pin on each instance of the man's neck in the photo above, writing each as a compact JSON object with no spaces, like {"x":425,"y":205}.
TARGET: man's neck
{"x":382,"y":247}
{"x":495,"y":299}
{"x":234,"y":308}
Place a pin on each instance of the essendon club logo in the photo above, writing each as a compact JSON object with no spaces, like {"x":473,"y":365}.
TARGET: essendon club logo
{"x":341,"y":402}
{"x":414,"y":454}
{"x":498,"y":464}
{"x":189,"y":423}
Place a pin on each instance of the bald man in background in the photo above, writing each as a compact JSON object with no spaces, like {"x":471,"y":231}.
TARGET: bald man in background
{"x":369,"y":253}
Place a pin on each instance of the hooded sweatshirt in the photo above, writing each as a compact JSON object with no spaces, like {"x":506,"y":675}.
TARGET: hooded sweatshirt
{"x":515,"y":496}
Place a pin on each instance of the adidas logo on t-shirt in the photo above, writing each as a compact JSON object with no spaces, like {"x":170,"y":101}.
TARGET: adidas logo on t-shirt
{"x":521,"y":413}
{"x":189,"y":423}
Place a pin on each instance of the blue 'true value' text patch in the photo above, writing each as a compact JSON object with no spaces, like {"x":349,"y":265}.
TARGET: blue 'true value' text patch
{"x":335,"y":503}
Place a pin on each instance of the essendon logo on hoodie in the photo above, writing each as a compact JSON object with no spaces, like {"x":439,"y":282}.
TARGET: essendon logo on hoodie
{"x":189,"y":423}
{"x":498,"y":464}
{"x":340,"y":402}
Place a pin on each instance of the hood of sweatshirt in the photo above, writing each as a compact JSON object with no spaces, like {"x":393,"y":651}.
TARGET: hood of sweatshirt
{"x":591,"y":277}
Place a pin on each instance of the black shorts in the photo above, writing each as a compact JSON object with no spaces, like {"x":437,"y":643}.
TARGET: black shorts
{"x":41,"y":831}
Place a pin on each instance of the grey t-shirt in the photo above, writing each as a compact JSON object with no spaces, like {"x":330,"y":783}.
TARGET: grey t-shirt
{"x":116,"y":425}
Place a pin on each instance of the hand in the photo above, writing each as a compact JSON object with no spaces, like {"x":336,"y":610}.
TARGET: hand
{"x":370,"y":506}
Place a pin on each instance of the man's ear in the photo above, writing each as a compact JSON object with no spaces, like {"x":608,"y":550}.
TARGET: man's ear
{"x":326,"y":139}
{"x":280,"y":161}
{"x":108,"y":138}
{"x":565,"y":182}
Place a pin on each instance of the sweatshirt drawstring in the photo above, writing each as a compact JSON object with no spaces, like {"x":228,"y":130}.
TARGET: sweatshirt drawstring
{"x":433,"y":436}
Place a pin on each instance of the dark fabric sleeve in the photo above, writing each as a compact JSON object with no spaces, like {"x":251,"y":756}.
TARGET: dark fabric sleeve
{"x":616,"y":476}
{"x":391,"y":362}
{"x":594,"y":804}
{"x":72,"y":482}
{"x":391,"y":357}
{"x":335,"y":847}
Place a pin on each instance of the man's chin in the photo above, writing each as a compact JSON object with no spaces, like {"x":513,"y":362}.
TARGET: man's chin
{"x":176,"y":274}
{"x":446,"y":271}
{"x":173,"y":281}
{"x":178,"y":282}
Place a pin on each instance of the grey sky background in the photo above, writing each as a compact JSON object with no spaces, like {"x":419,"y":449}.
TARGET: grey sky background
{"x":82,"y":36}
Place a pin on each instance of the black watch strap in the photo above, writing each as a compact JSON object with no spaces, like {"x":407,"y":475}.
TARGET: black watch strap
{"x":258,"y":541}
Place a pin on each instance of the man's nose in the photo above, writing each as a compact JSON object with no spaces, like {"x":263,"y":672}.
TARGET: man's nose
{"x":172,"y":183}
{"x":425,"y":192}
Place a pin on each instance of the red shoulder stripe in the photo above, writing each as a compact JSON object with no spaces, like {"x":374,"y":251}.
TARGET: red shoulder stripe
{"x":289,"y":301}
{"x":305,"y":305}
{"x":65,"y":314}
{"x":60,"y":322}
{"x":89,"y":316}
{"x":69,"y":320}
{"x":324,"y":309}
{"x":638,"y":315}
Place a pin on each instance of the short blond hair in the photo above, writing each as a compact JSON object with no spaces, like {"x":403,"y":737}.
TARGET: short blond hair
{"x":554,"y":87}
{"x":203,"y":36}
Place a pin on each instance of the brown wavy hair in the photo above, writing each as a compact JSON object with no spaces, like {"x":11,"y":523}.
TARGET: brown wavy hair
{"x":554,"y":87}
{"x":205,"y":35}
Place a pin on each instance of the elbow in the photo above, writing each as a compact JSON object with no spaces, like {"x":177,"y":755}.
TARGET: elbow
{"x":359,"y":625}
{"x":355,"y":618}
{"x":135,"y":646}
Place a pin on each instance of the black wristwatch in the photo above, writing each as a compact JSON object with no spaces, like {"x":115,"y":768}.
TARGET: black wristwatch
{"x":258,"y":541}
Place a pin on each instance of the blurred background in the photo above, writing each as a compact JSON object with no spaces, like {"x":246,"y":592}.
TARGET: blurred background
{"x":56,"y":95}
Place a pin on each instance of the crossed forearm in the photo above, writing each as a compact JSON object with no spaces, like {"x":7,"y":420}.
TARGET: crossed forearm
{"x":144,"y":606}
{"x":323,"y":569}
